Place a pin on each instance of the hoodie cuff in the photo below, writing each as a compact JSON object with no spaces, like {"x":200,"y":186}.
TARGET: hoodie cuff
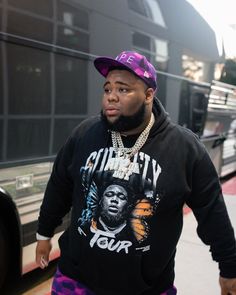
{"x":228,"y":269}
{"x":41,"y":238}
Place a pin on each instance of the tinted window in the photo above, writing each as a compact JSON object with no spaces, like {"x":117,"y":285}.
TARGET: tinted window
{"x":137,"y":6}
{"x":63,"y":128}
{"x":149,"y":9}
{"x":0,"y":18}
{"x":71,"y":85}
{"x":142,"y":41}
{"x":1,"y":138}
{"x":43,"y":7}
{"x":72,"y":16}
{"x":30,"y":27}
{"x":28,"y":80}
{"x":28,"y":138}
{"x":1,"y":81}
{"x":68,"y":37}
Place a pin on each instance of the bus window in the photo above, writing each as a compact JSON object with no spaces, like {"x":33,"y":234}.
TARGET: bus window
{"x":42,"y":7}
{"x":71,"y":94}
{"x":63,"y":128}
{"x":199,"y":109}
{"x":1,"y":138}
{"x":1,"y":80}
{"x":31,"y":136}
{"x":25,"y":25}
{"x":72,"y":15}
{"x":29,"y":80}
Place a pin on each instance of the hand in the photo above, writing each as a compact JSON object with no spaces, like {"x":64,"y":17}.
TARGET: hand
{"x":228,"y":286}
{"x":43,"y":249}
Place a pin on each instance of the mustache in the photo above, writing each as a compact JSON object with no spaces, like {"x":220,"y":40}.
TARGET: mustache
{"x":125,"y":123}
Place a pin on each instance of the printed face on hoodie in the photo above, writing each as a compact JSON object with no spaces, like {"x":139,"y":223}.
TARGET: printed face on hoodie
{"x":124,"y":100}
{"x":114,"y":205}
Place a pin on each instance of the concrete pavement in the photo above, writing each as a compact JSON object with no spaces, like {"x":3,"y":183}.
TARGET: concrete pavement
{"x":196,"y":272}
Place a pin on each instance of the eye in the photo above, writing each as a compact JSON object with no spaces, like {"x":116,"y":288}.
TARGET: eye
{"x":109,"y":194}
{"x":107,"y":90}
{"x":123,"y":90}
{"x":122,"y":197}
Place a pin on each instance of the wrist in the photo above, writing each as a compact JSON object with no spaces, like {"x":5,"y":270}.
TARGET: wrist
{"x":41,"y":238}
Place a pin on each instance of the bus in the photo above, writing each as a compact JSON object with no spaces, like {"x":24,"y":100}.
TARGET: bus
{"x":48,"y":86}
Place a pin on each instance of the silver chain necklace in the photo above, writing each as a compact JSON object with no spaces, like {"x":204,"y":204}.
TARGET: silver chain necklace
{"x":122,"y":164}
{"x":130,"y":152}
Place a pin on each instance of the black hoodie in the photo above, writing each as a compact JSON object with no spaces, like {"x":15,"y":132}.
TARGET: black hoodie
{"x":123,"y":232}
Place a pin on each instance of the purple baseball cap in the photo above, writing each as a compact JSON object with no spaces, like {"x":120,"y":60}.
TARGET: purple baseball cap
{"x":133,"y":62}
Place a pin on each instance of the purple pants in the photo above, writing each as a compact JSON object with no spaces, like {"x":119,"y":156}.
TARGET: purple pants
{"x":63,"y":285}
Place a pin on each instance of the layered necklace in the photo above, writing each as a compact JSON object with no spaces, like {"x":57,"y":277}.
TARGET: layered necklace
{"x":121,"y":164}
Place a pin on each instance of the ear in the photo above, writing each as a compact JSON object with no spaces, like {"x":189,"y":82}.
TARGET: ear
{"x":149,"y":96}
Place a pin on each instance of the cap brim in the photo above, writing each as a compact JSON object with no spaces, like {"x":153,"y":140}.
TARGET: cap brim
{"x":104,"y":64}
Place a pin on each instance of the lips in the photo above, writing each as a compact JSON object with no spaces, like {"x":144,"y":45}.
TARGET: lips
{"x":111,"y":111}
{"x":113,"y":209}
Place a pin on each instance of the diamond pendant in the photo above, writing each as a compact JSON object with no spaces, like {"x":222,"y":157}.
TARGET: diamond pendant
{"x":125,"y":168}
{"x":122,"y":166}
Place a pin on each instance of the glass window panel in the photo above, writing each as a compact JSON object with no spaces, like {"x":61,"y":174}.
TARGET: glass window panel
{"x":137,"y":6}
{"x":161,"y":89}
{"x":71,"y":85}
{"x":142,"y":41}
{"x":1,"y":81}
{"x":30,"y":136}
{"x":154,"y":12}
{"x":160,"y":54}
{"x":29,"y":80}
{"x":42,"y":7}
{"x":0,"y":18}
{"x":30,"y":27}
{"x":63,"y":128}
{"x":1,"y":138}
{"x":149,"y":9}
{"x":161,"y":49}
{"x":72,"y":16}
{"x":67,"y":37}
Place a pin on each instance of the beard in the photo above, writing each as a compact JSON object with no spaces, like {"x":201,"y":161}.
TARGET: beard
{"x":126,"y":123}
{"x":113,"y":220}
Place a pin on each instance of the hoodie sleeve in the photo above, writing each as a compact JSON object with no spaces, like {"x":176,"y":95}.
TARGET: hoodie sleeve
{"x":214,"y":226}
{"x":58,"y":195}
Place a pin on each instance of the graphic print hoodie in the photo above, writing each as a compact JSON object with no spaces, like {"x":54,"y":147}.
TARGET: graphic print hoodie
{"x":125,"y":225}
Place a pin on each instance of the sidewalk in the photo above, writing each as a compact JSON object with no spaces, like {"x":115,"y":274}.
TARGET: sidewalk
{"x":196,"y":272}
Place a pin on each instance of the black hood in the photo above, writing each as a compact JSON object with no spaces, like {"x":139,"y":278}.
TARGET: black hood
{"x":161,"y":118}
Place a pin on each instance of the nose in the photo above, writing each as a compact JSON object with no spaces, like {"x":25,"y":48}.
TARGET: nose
{"x":112,"y":96}
{"x":114,"y":199}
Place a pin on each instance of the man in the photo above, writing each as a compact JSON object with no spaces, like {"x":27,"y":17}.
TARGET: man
{"x":134,"y":141}
{"x":113,"y":208}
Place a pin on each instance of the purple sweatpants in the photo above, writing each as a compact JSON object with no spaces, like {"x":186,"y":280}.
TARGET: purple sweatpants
{"x":63,"y":285}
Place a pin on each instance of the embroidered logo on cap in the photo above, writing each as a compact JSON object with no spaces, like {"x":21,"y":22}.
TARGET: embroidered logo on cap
{"x":146,"y":74}
{"x":123,"y":58}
